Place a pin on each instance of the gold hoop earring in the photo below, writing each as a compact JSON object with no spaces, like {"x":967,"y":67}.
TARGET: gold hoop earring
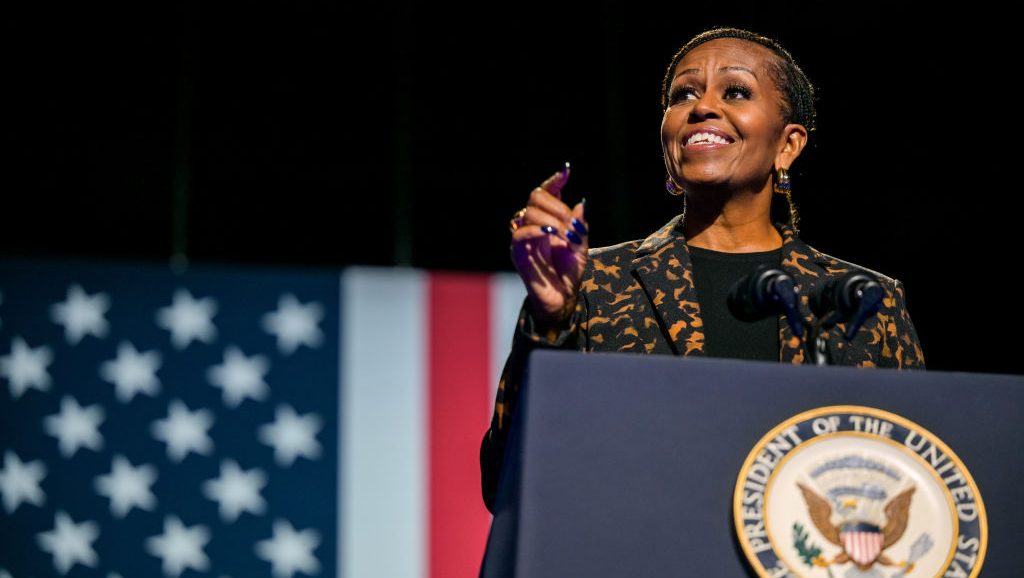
{"x":672,"y":188}
{"x":782,"y":184}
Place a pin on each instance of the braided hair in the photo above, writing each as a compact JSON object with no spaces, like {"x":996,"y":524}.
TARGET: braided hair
{"x":795,"y":90}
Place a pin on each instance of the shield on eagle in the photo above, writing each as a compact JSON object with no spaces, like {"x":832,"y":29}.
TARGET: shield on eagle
{"x":863,"y":542}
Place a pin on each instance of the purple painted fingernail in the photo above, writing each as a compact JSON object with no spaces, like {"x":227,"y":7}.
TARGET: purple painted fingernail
{"x":564,"y":172}
{"x":580,"y":228}
{"x":549,"y":230}
{"x":572,"y":236}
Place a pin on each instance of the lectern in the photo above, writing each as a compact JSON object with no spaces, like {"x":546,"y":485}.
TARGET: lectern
{"x":631,"y":465}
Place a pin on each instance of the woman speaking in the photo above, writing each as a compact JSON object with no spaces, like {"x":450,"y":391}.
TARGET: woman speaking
{"x":737,"y":114}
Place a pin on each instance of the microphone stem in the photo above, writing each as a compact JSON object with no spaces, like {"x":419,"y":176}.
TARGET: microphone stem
{"x":816,"y":346}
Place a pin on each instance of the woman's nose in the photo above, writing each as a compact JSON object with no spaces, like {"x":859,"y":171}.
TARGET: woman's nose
{"x":707,"y":105}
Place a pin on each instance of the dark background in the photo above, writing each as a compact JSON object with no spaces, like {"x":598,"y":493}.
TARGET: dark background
{"x":330,"y":134}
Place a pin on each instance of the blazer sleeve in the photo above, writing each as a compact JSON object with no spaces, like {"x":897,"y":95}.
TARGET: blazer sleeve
{"x":528,"y":337}
{"x":902,"y":335}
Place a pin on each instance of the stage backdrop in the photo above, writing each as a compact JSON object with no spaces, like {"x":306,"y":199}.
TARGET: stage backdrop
{"x":234,"y":421}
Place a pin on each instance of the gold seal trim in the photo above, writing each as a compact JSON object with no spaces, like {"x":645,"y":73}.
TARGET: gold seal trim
{"x":752,"y":557}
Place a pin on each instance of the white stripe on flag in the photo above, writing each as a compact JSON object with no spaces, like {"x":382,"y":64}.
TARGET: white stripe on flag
{"x":507,"y":294}
{"x":382,"y":506}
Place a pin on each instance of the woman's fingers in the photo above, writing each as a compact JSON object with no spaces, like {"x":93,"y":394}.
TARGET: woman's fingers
{"x":542,"y":236}
{"x":549,"y":247}
{"x":556,"y":182}
{"x":578,"y":232}
{"x":541,"y":218}
{"x":546,"y":213}
{"x":532,"y":255}
{"x":561,"y":244}
{"x":545,"y":207}
{"x":544,"y":201}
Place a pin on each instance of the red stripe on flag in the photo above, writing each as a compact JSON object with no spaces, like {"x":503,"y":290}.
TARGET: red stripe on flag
{"x":459,"y":402}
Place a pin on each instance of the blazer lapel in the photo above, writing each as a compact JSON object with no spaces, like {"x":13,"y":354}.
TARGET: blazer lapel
{"x":663,"y":268}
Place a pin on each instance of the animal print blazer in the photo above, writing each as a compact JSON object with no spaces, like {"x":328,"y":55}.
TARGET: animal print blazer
{"x":639,"y":296}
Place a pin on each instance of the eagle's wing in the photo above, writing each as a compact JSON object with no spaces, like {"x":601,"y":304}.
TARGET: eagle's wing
{"x":897,"y":512}
{"x":820,"y":511}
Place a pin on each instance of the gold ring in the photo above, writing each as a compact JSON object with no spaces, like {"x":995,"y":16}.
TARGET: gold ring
{"x":517,"y":220}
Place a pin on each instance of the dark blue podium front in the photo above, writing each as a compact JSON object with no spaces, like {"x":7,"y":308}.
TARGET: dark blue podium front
{"x":625,"y":465}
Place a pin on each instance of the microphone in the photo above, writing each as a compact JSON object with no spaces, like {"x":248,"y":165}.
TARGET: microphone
{"x":766,"y":291}
{"x":852,"y":297}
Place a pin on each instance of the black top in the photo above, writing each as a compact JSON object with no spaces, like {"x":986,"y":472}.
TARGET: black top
{"x":714,"y":274}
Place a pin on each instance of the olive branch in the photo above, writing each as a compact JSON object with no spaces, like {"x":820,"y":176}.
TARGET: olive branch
{"x":809,"y":553}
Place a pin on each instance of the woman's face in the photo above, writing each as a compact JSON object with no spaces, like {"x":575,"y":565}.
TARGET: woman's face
{"x":722,"y":87}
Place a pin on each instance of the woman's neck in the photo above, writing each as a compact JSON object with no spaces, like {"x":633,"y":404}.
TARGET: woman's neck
{"x":733,"y":229}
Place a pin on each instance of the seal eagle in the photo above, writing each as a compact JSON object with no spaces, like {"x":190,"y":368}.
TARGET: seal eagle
{"x":863,"y":543}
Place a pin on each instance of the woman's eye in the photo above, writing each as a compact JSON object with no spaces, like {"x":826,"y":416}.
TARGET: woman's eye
{"x":737,"y":90}
{"x":688,"y":93}
{"x":679,"y":94}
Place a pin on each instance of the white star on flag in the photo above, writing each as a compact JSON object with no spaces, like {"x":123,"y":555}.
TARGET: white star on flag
{"x":236,"y":491}
{"x":292,"y":435}
{"x":70,"y":543}
{"x":240,"y":377}
{"x":188,"y":319}
{"x":180,"y":547}
{"x":132,"y":372}
{"x":127,"y":486}
{"x":25,"y":367}
{"x":81,"y":314}
{"x":19,"y":482}
{"x":294,"y":324}
{"x":195,"y":429}
{"x":289,"y":551}
{"x":75,"y":426}
{"x":184,"y":431}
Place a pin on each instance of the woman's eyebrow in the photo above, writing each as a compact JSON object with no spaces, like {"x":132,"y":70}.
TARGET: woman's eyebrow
{"x":722,"y":69}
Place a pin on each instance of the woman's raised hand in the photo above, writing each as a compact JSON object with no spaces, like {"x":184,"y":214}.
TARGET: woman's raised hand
{"x":549,"y":249}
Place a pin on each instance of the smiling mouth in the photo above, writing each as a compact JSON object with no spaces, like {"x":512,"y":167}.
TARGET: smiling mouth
{"x":706,"y":139}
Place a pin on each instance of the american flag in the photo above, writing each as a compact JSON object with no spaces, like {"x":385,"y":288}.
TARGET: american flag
{"x":238,"y":421}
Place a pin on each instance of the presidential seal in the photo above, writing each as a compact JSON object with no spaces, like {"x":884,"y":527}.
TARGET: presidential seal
{"x":857,"y":492}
